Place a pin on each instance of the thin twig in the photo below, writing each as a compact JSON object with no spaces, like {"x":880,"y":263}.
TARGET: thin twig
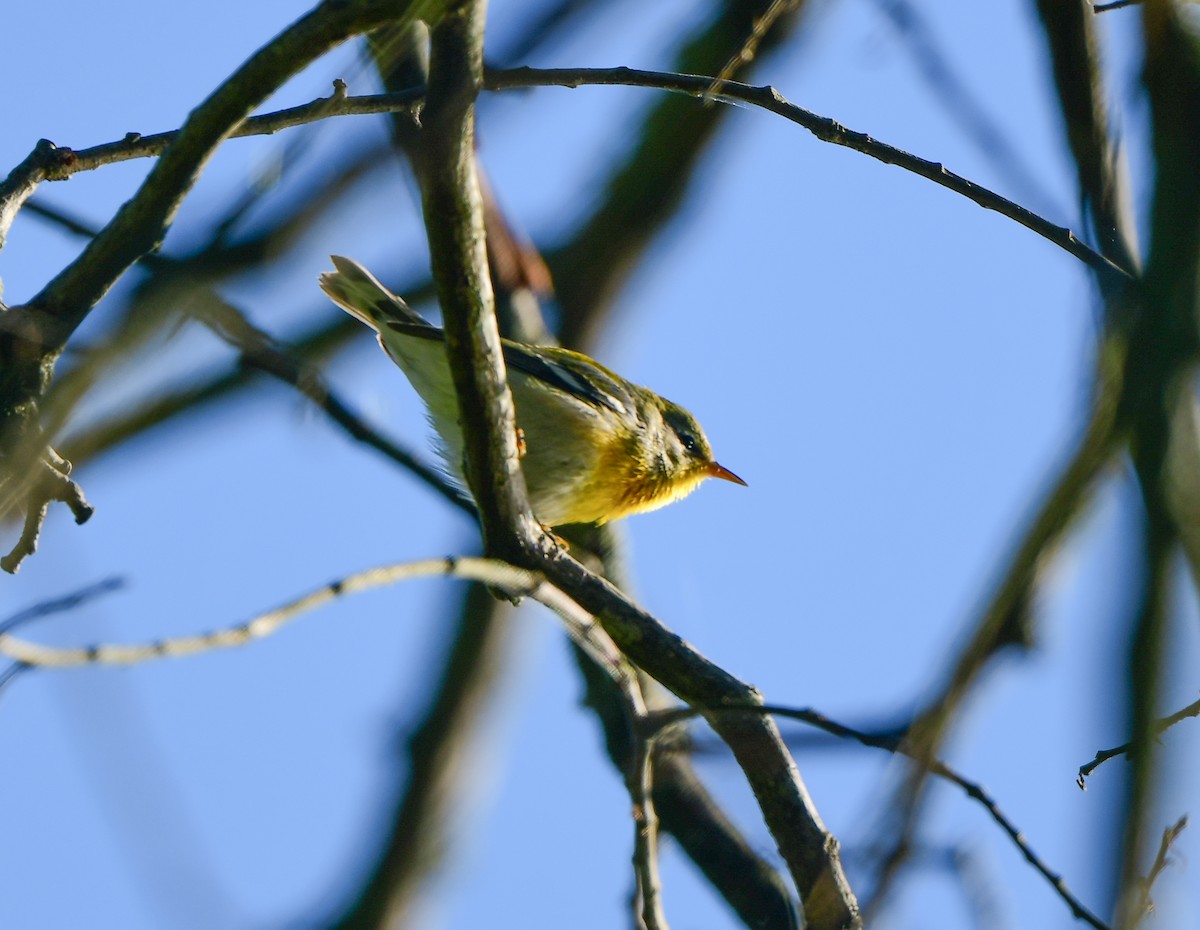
{"x":765,"y":97}
{"x":640,"y":782}
{"x":135,"y":145}
{"x":516,"y":581}
{"x":825,"y":129}
{"x":48,"y":608}
{"x":62,"y":604}
{"x":1113,"y":5}
{"x":1163,"y":351}
{"x":260,"y":351}
{"x":663,"y":720}
{"x":1103,"y":755}
{"x":761,"y":26}
{"x":946,"y":85}
{"x":1161,"y":861}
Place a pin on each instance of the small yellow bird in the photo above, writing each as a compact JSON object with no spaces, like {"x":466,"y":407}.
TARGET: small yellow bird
{"x":597,"y":447}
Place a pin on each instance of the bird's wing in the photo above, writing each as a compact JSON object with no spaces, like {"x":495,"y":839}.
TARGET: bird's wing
{"x":567,"y":371}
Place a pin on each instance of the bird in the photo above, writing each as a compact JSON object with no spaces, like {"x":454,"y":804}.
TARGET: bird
{"x":596,"y":446}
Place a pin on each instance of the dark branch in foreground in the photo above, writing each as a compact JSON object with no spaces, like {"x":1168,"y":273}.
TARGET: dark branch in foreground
{"x":36,"y":332}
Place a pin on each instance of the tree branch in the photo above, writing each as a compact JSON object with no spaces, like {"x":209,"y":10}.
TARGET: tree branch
{"x":453,"y":208}
{"x":825,"y":129}
{"x":1160,"y":727}
{"x":899,"y":746}
{"x":36,"y":333}
{"x":454,"y":222}
{"x":140,"y":224}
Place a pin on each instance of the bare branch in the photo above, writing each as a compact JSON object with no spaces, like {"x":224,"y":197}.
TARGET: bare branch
{"x":61,"y":604}
{"x":825,"y":129}
{"x":36,"y":333}
{"x":901,"y":746}
{"x":1161,"y":860}
{"x":260,"y":351}
{"x":453,"y":209}
{"x":141,"y":223}
{"x":45,"y":161}
{"x":517,"y":581}
{"x":1160,"y":726}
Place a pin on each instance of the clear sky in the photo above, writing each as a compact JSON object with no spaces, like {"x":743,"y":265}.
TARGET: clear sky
{"x":895,"y":372}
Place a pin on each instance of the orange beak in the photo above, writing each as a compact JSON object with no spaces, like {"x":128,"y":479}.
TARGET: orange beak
{"x":720,"y":471}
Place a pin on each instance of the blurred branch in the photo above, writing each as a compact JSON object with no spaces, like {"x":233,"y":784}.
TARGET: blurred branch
{"x":1009,"y":617}
{"x":48,"y":608}
{"x":1161,"y":861}
{"x":62,"y":604}
{"x":142,"y":222}
{"x":1113,"y":5}
{"x":760,"y":28}
{"x":645,"y":190}
{"x":35,"y":334}
{"x":260,"y":351}
{"x":1160,"y":726}
{"x":257,"y":350}
{"x":414,"y":835}
{"x":951,"y":91}
{"x":1075,"y":58}
{"x":1162,"y":360}
{"x":898,"y":745}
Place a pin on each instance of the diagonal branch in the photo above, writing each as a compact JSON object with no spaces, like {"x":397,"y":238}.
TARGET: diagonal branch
{"x":142,"y":222}
{"x":824,"y":128}
{"x":899,"y":746}
{"x":36,"y":333}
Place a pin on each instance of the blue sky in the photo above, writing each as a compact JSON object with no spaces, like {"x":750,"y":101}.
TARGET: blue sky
{"x":895,"y":372}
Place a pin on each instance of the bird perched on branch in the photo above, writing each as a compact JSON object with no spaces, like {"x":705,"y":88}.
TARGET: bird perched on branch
{"x":597,"y":447}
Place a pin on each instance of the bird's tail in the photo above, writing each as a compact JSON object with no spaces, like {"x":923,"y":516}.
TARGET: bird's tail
{"x":360,"y":294}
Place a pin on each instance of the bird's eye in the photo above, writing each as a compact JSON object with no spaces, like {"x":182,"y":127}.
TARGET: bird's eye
{"x":689,"y":441}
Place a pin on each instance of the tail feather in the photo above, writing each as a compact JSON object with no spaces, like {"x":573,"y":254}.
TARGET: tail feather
{"x":360,"y":294}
